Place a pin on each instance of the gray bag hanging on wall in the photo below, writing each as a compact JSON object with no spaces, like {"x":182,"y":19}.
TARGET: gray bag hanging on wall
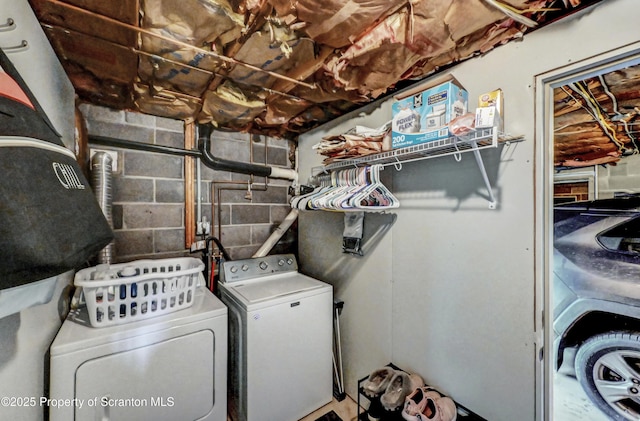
{"x":50,"y":221}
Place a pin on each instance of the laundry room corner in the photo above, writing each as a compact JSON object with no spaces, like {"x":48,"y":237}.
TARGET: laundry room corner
{"x":319,"y":210}
{"x":363,"y":282}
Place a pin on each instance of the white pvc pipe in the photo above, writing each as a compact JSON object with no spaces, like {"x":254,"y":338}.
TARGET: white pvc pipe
{"x":277,"y":234}
{"x":286,"y":173}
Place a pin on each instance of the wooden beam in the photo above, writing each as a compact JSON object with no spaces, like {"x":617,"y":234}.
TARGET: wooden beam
{"x":189,"y":185}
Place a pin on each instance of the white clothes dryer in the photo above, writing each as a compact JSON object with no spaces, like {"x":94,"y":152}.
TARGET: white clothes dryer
{"x":170,"y":367}
{"x":280,"y":339}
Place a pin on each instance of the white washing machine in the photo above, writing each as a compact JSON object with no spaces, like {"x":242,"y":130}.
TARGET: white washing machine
{"x":280,"y":339}
{"x":171,"y":367}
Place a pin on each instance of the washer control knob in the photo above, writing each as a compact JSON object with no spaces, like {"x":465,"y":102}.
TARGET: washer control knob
{"x":281,"y":262}
{"x":245,"y":268}
{"x":233,"y":269}
{"x":289,"y":261}
{"x":263,"y":265}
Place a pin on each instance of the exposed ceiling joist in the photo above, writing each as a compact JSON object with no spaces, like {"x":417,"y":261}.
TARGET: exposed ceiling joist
{"x":272,"y":67}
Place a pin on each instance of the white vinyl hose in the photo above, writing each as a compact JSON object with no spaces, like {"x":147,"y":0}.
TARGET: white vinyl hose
{"x":277,"y":234}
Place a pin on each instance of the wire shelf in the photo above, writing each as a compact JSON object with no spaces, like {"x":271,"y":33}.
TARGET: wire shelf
{"x":455,"y":145}
{"x":478,"y":139}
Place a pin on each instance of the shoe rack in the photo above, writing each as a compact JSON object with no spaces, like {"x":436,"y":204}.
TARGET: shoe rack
{"x":381,"y":414}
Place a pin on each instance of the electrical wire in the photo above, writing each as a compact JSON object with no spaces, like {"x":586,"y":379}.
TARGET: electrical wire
{"x":619,"y":116}
{"x":578,"y":102}
{"x":602,"y":112}
{"x":593,"y":105}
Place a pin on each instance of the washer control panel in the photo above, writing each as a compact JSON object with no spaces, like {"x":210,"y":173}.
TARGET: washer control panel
{"x":241,"y":270}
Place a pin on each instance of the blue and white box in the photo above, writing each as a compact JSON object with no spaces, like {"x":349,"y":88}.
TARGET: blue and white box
{"x":422,"y":114}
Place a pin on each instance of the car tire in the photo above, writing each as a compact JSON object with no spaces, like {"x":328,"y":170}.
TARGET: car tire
{"x":608,"y":369}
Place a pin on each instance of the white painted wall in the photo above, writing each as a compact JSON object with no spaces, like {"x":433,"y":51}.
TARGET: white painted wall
{"x":453,"y":281}
{"x":363,"y":283}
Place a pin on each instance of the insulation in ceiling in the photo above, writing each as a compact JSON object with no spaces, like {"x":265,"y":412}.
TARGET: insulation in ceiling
{"x":597,"y":120}
{"x":274,"y":67}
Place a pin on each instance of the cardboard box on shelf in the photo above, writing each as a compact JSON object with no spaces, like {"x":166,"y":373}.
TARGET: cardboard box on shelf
{"x":485,"y":103}
{"x":422,"y":114}
{"x":487,"y":117}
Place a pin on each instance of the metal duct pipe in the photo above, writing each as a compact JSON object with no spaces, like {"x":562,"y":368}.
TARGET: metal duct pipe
{"x":140,"y":146}
{"x":101,"y":167}
{"x":204,"y":145}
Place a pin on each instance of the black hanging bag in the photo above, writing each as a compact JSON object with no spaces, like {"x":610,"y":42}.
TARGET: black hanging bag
{"x":50,"y":221}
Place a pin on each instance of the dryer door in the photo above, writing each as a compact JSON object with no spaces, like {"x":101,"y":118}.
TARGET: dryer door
{"x":169,"y":380}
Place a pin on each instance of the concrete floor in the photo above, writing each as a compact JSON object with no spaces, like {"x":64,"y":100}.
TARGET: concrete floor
{"x":570,"y":402}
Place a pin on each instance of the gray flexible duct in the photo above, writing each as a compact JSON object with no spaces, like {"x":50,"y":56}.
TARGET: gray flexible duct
{"x":101,"y":167}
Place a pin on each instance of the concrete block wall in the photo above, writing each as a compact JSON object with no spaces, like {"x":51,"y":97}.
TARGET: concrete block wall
{"x":624,"y":177}
{"x":244,"y":218}
{"x":148,"y":188}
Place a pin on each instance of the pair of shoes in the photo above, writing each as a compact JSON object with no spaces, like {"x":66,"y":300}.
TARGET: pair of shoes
{"x":378,"y":381}
{"x":400,"y":386}
{"x":375,"y":411}
{"x":391,"y":386}
{"x":427,"y":404}
{"x":373,"y":387}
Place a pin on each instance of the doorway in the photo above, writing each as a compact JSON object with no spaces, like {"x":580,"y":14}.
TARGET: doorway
{"x":590,"y":219}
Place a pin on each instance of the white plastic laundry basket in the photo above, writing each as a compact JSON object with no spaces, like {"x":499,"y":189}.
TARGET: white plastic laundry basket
{"x":138,"y":290}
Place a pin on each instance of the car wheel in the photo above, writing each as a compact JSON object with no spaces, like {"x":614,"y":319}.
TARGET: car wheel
{"x":608,"y":368}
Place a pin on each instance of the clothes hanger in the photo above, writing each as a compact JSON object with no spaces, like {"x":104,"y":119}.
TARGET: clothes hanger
{"x":376,"y":196}
{"x":352,"y":189}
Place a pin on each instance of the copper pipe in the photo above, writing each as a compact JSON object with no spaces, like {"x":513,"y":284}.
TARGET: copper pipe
{"x":189,"y":199}
{"x":238,"y":186}
{"x":71,"y":33}
{"x":210,"y":73}
{"x":179,"y":43}
{"x":152,"y":57}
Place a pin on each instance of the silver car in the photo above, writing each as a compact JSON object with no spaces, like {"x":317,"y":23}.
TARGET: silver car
{"x":596,"y":291}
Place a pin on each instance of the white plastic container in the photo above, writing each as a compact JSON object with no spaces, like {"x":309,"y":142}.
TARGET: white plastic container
{"x":138,"y":290}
